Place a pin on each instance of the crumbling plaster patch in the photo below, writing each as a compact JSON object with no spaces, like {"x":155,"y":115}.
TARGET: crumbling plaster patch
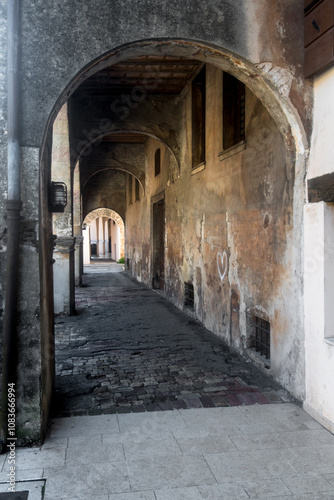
{"x":280,"y":77}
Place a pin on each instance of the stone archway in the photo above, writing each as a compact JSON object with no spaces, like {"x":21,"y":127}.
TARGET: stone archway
{"x":271,"y":86}
{"x":111,"y":214}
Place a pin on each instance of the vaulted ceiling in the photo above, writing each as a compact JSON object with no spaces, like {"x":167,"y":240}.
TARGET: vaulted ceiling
{"x":122,"y":152}
{"x":157,"y":74}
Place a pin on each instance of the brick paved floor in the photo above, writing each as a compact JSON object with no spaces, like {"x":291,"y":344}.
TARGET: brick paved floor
{"x":129,"y":350}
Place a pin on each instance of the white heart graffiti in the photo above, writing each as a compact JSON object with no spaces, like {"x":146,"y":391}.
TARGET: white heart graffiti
{"x":222,"y":264}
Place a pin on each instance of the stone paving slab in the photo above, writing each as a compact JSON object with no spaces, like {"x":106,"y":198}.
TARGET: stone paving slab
{"x":181,"y":455}
{"x":129,"y":350}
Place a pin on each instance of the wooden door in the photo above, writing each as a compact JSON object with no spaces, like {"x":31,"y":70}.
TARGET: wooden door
{"x":158,"y":280}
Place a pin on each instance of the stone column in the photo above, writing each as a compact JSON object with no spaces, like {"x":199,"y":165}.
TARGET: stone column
{"x":93,"y":235}
{"x":63,"y":272}
{"x":86,"y":245}
{"x":106,"y":236}
{"x":63,"y":284}
{"x":100,"y":243}
{"x":78,"y":260}
{"x":77,"y":227}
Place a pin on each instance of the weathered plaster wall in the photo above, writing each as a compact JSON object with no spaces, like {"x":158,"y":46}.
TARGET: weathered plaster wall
{"x":137,"y":237}
{"x":139,"y":213}
{"x":229,"y":232}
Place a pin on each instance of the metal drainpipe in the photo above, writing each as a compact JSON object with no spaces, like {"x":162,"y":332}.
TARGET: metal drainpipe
{"x":14,"y":206}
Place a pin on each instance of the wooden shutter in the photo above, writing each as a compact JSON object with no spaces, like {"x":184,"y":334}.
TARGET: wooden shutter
{"x":198,"y":118}
{"x":318,"y":35}
{"x":233,"y":111}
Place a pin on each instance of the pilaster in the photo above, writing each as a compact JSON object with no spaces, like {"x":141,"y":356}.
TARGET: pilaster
{"x":64,"y":276}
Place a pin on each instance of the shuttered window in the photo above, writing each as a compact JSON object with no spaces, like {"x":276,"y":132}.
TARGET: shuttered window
{"x":157,"y":162}
{"x":198,"y":118}
{"x":233,"y":111}
{"x":318,"y":35}
{"x":137,"y":190}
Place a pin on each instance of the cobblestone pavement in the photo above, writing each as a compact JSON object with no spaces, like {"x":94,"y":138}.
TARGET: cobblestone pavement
{"x":129,"y":350}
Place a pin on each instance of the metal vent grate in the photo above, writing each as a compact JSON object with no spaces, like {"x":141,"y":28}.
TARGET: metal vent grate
{"x":260,"y":338}
{"x":189,"y":295}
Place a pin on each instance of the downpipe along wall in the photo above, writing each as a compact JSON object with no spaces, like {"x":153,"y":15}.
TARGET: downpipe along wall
{"x":14,"y":206}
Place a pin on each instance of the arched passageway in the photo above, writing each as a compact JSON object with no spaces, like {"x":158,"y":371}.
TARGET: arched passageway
{"x":110,"y":242}
{"x":209,"y":195}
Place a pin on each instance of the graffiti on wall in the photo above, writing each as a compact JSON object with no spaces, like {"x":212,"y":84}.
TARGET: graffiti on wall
{"x":222,"y":265}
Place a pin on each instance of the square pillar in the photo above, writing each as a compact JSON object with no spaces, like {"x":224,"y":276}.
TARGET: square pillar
{"x":78,"y":260}
{"x":86,"y":246}
{"x":64,"y":278}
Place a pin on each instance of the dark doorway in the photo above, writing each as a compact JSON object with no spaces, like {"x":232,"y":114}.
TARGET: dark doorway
{"x":159,"y":245}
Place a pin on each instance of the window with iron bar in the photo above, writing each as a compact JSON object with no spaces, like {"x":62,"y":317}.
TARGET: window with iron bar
{"x":260,"y":338}
{"x":157,"y":162}
{"x":189,"y":299}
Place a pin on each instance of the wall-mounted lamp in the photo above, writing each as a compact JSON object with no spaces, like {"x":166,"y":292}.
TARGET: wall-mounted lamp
{"x":58,"y":197}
